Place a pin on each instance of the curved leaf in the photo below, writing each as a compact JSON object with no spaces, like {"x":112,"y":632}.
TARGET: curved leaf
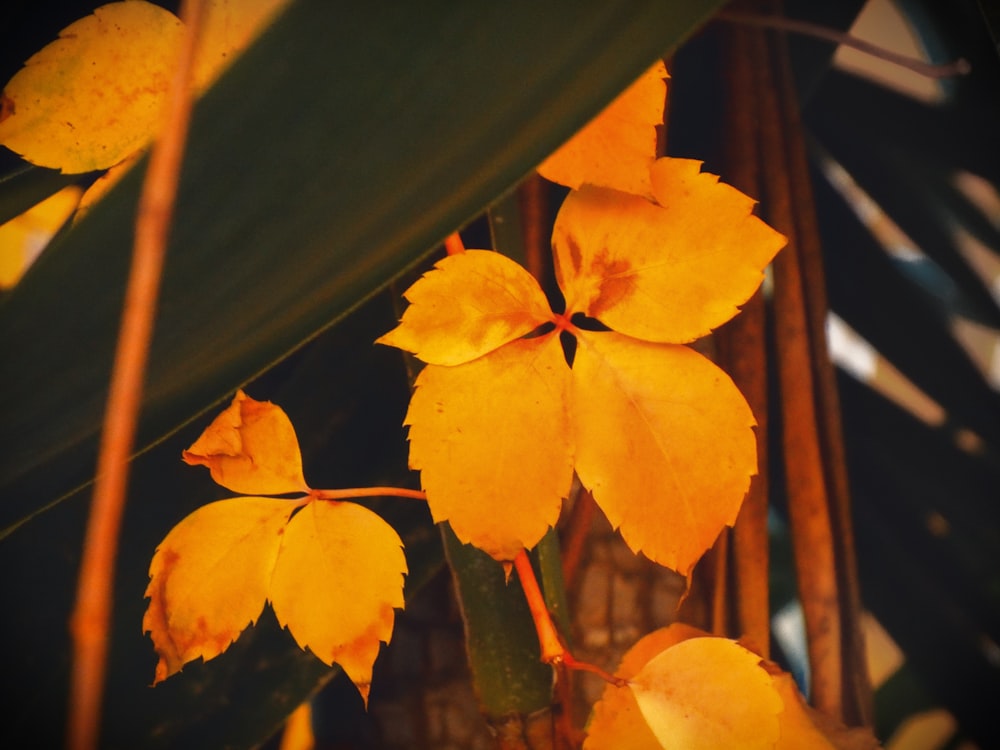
{"x":312,"y":180}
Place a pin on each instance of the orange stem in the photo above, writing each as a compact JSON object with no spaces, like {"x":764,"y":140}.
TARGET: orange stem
{"x":553,"y":650}
{"x":453,"y":244}
{"x":91,"y":617}
{"x":368,"y":492}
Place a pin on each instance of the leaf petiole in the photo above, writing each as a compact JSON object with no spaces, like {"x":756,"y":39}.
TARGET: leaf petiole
{"x":346,"y":494}
{"x":553,"y":650}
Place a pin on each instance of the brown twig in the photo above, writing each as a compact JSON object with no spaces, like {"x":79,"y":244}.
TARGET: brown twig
{"x":91,"y":618}
{"x":808,"y":498}
{"x":780,"y":23}
{"x":742,"y":352}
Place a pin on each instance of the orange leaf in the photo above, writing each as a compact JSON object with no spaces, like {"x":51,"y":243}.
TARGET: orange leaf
{"x":616,"y":148}
{"x":209,"y":578}
{"x":469,"y":304}
{"x":251,"y":447}
{"x":93,"y":96}
{"x":491,"y":440}
{"x":708,"y":693}
{"x":337,"y":579}
{"x":668,"y":271}
{"x":663,"y":440}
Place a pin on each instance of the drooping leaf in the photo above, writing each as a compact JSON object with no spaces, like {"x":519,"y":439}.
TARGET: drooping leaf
{"x":491,"y":439}
{"x":667,"y":271}
{"x":617,"y":147}
{"x":209,"y":578}
{"x":337,"y":579}
{"x":663,"y":440}
{"x":251,"y":447}
{"x":706,"y":694}
{"x":294,"y":281}
{"x":93,"y":96}
{"x":468,"y":305}
{"x":25,"y":236}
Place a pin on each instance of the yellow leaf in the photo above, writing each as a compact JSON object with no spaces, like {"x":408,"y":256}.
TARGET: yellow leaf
{"x":467,"y":305}
{"x":616,"y":148}
{"x":708,"y":694}
{"x":25,"y":236}
{"x":491,"y":440}
{"x":616,"y":722}
{"x":251,"y":447}
{"x":667,"y":271}
{"x":338,"y":577}
{"x":229,"y":27}
{"x":209,"y":578}
{"x":93,"y":96}
{"x":664,"y":441}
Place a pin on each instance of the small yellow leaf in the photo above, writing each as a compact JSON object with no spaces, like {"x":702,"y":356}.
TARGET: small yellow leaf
{"x":337,"y":580}
{"x":229,"y":27}
{"x":616,"y":148}
{"x":708,"y":694}
{"x":467,"y":305}
{"x":210,"y":576}
{"x":616,"y":722}
{"x":491,"y":440}
{"x":664,"y":441}
{"x":668,"y":271}
{"x":93,"y":96}
{"x":25,"y":236}
{"x":251,"y":447}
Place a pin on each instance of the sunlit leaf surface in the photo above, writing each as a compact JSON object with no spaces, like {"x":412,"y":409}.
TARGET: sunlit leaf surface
{"x":95,"y":95}
{"x":492,"y":441}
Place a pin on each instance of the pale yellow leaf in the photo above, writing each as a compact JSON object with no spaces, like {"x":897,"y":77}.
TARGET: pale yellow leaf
{"x":338,"y":578}
{"x":670,"y":270}
{"x":491,"y":440}
{"x":708,"y":694}
{"x":616,"y":148}
{"x":251,"y":447}
{"x":616,"y":722}
{"x":664,"y":441}
{"x":210,"y":576}
{"x":467,"y":305}
{"x":24,"y":237}
{"x":95,"y":95}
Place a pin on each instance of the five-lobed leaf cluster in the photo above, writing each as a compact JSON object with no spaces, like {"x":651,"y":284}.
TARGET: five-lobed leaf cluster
{"x":500,"y":419}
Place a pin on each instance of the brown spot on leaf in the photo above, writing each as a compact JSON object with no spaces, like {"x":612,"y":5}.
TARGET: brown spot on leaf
{"x":617,"y":281}
{"x":7,"y":108}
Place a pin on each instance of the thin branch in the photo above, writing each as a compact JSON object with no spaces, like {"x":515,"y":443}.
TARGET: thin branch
{"x":91,"y":620}
{"x":780,"y":23}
